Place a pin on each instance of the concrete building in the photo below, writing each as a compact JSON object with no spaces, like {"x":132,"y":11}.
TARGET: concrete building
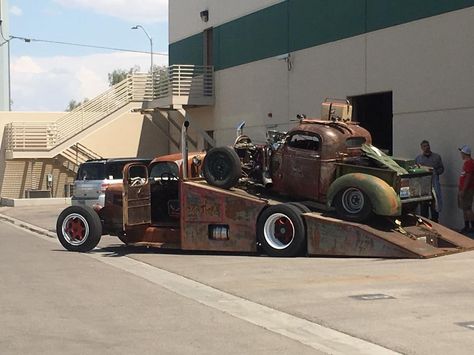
{"x":407,"y":67}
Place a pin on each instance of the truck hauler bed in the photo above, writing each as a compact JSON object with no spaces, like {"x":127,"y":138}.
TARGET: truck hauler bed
{"x":213,"y":219}
{"x":202,"y":217}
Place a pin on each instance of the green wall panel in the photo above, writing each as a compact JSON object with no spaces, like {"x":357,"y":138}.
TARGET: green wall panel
{"x":298,"y":24}
{"x":387,"y":13}
{"x":257,"y":36}
{"x":317,"y":22}
{"x":187,"y":51}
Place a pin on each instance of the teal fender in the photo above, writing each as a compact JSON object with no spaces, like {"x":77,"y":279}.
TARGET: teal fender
{"x":384,"y":199}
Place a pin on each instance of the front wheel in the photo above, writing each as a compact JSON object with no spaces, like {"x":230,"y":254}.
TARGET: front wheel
{"x":79,"y":228}
{"x":353,"y":204}
{"x":281,"y":231}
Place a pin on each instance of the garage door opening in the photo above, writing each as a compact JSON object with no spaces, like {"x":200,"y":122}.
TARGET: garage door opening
{"x":375,"y":113}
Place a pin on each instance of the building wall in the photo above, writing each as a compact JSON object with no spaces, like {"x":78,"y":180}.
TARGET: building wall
{"x":132,"y":135}
{"x":420,"y":51}
{"x":21,"y":175}
{"x":188,"y":22}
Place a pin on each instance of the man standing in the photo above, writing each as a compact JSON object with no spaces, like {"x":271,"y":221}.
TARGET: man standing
{"x":433,"y":160}
{"x":466,"y":189}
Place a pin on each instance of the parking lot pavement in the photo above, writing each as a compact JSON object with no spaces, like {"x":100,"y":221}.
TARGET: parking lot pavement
{"x":410,"y":306}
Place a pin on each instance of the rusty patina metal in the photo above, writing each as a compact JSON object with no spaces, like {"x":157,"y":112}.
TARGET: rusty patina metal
{"x":205,"y":208}
{"x":413,"y":239}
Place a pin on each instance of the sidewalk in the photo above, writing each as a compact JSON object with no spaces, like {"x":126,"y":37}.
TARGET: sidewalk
{"x":41,"y":216}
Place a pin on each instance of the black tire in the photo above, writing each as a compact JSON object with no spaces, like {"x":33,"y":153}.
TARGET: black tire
{"x":287,"y":242}
{"x":79,"y":228}
{"x":303,"y":208}
{"x":353,"y":204}
{"x":222,"y":168}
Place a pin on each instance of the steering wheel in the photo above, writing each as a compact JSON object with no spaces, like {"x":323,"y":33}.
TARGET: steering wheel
{"x":167,"y":177}
{"x":137,"y":181}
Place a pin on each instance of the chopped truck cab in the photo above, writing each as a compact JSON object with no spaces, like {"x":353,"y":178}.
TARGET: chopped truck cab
{"x":167,"y":204}
{"x":147,"y":195}
{"x":329,"y":161}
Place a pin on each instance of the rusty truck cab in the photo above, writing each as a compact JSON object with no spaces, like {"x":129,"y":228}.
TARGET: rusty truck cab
{"x":146,"y":208}
{"x":303,"y":167}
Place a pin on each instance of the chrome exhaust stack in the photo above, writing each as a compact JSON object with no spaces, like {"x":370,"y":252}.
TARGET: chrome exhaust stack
{"x":184,"y":148}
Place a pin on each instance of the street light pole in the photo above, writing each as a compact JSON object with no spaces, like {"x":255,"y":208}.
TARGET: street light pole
{"x":151,"y":45}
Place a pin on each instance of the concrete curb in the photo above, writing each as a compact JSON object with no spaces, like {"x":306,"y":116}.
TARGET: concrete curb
{"x":27,"y":226}
{"x":22,"y":202}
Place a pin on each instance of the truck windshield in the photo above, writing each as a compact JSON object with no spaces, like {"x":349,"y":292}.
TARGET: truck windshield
{"x":161,"y":168}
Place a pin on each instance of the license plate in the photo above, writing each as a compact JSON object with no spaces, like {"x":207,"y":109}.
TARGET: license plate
{"x":404,"y":192}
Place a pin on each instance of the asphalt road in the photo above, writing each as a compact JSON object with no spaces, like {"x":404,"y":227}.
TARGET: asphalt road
{"x":129,"y":300}
{"x":56,"y":302}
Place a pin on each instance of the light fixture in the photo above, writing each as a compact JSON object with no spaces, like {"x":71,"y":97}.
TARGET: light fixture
{"x":204,"y":15}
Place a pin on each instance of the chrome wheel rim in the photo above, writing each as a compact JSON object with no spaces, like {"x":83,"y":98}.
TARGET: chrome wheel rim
{"x":278,"y":231}
{"x":75,"y":229}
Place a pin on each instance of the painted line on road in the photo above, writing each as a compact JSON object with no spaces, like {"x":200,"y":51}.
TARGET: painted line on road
{"x":311,"y":334}
{"x":314,"y":335}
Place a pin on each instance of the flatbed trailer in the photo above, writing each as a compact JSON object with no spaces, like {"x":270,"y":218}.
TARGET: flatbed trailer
{"x":213,"y":219}
{"x":207,"y":218}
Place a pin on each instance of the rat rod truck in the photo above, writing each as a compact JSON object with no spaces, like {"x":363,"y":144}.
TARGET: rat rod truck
{"x":287,"y":189}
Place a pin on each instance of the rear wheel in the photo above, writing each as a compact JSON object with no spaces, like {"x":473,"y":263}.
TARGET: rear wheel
{"x":222,"y":167}
{"x":79,"y":228}
{"x":353,"y":204}
{"x":281,"y":231}
{"x":303,"y":208}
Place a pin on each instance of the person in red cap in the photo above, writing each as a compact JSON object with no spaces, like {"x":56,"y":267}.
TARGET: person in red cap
{"x":466,"y":189}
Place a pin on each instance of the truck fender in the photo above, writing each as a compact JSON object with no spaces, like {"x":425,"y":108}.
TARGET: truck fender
{"x":385,"y":201}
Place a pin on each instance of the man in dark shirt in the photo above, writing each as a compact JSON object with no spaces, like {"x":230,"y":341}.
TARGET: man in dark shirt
{"x":466,"y":189}
{"x":432,"y":160}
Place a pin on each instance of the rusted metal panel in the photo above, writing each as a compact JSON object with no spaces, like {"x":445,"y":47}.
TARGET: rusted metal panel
{"x":218,"y":220}
{"x":136,"y":196}
{"x":162,"y":236}
{"x":333,"y":237}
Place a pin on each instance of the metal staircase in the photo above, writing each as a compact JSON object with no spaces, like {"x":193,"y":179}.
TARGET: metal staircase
{"x":27,"y":143}
{"x":48,"y":139}
{"x":75,"y":155}
{"x":170,"y":88}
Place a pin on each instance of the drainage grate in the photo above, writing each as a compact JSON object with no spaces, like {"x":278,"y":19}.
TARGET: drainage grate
{"x":468,"y":325}
{"x":372,"y":297}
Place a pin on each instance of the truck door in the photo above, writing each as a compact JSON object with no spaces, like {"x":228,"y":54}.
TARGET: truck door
{"x":302,"y":165}
{"x":136,"y":197}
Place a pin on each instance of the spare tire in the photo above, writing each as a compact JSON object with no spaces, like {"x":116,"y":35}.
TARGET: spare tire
{"x":222,"y":168}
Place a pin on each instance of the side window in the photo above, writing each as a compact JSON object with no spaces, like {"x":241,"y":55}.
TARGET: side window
{"x":304,"y":141}
{"x":137,"y":175}
{"x":115,"y":170}
{"x":355,"y":142}
{"x":91,"y":171}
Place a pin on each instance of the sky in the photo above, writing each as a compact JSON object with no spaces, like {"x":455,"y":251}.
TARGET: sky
{"x":47,"y":76}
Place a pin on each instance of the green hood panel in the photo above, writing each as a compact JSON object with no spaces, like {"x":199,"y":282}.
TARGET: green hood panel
{"x":376,"y":154}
